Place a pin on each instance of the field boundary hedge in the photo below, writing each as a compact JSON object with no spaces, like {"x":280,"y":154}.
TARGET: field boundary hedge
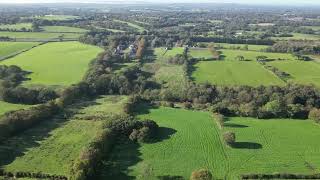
{"x":37,"y":175}
{"x":20,"y":52}
{"x":280,"y":176}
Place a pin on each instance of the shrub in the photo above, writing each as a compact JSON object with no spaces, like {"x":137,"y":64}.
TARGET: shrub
{"x":202,"y":174}
{"x":229,"y":138}
{"x":219,"y":118}
{"x":314,"y":114}
{"x":187,"y":105}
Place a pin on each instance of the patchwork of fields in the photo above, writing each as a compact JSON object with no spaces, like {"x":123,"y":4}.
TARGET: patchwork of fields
{"x":58,"y":63}
{"x":11,"y":48}
{"x":193,"y":137}
{"x":38,"y":36}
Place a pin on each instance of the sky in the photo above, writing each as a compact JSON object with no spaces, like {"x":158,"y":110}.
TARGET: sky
{"x":273,"y":2}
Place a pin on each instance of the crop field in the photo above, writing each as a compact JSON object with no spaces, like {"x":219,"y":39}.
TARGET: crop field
{"x":139,"y":28}
{"x":6,"y":107}
{"x":18,"y":26}
{"x":263,"y":146}
{"x":234,"y":73}
{"x":58,"y":17}
{"x":38,"y":36}
{"x":63,"y":29}
{"x":58,"y":63}
{"x":52,"y":146}
{"x":302,"y":72}
{"x":10,"y":48}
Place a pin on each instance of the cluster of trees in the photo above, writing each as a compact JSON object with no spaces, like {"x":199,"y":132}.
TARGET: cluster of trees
{"x":280,"y":176}
{"x":296,"y":46}
{"x":14,"y":75}
{"x":178,"y":59}
{"x":201,"y":174}
{"x":38,"y":175}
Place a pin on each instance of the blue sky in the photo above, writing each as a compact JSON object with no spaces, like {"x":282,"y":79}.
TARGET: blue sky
{"x":273,"y":2}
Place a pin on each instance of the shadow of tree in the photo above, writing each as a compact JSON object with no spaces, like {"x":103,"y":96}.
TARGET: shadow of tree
{"x":168,"y":177}
{"x":232,"y":125}
{"x":246,"y":145}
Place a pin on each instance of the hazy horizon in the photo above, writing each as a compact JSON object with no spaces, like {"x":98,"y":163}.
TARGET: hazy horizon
{"x":270,"y":2}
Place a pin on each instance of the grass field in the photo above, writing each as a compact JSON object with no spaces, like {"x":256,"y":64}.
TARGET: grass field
{"x":10,"y":48}
{"x":302,"y":72}
{"x":63,"y":29}
{"x":315,"y":28}
{"x":139,"y":28}
{"x":299,"y":36}
{"x":263,"y":146}
{"x":52,"y":146}
{"x":19,"y":26}
{"x":38,"y":36}
{"x":234,"y":73}
{"x":58,"y":17}
{"x":6,"y":107}
{"x":58,"y":63}
{"x":250,"y":47}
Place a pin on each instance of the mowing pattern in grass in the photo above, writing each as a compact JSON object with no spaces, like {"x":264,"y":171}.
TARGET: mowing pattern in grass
{"x":5,"y":107}
{"x":234,"y":73}
{"x":38,"y":36}
{"x":60,"y":63}
{"x":19,"y":26}
{"x":302,"y":72}
{"x":191,"y":140}
{"x":52,"y":146}
{"x":63,"y":29}
{"x":10,"y":48}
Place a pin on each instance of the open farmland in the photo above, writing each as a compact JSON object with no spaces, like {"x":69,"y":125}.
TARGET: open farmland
{"x":58,"y":63}
{"x":38,"y":36}
{"x":302,"y":72}
{"x":63,"y":29}
{"x":52,"y":146}
{"x":139,"y":28}
{"x":299,"y":36}
{"x":52,"y":17}
{"x":234,"y":73}
{"x":11,"y":48}
{"x":192,"y":136}
{"x":18,"y":27}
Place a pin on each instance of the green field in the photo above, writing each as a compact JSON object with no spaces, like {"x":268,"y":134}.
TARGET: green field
{"x":250,"y":47}
{"x":58,"y":17}
{"x":38,"y":36}
{"x":63,"y":29}
{"x":11,"y":48}
{"x":52,"y":146}
{"x":263,"y":146}
{"x":234,"y":73}
{"x":302,"y":72}
{"x":315,"y":28}
{"x":58,"y":63}
{"x":19,"y":26}
{"x":299,"y":36}
{"x":6,"y":107}
{"x":139,"y":28}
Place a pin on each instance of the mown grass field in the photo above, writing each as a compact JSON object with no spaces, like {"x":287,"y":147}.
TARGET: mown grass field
{"x":19,"y":26}
{"x":6,"y":107}
{"x":302,"y":72}
{"x":52,"y":146}
{"x":38,"y":36}
{"x":250,"y":47}
{"x":299,"y":36}
{"x":63,"y":29}
{"x":139,"y":28}
{"x":10,"y":48}
{"x":234,"y":73}
{"x":58,"y":63}
{"x":263,"y":146}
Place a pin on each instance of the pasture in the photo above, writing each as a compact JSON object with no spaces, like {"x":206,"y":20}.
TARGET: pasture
{"x":52,"y":146}
{"x":299,"y":36}
{"x":263,"y":146}
{"x":63,"y":29}
{"x":302,"y":72}
{"x":6,"y":107}
{"x":38,"y":36}
{"x":139,"y":28}
{"x":250,"y":47}
{"x":58,"y":63}
{"x":11,"y":48}
{"x":52,"y":17}
{"x":234,"y":73}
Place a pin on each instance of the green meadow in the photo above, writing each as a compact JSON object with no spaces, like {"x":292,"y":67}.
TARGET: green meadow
{"x":299,"y":36}
{"x":52,"y":146}
{"x":58,"y":63}
{"x":63,"y":29}
{"x":262,"y":146}
{"x":6,"y":107}
{"x":250,"y":47}
{"x":58,"y":17}
{"x":139,"y":28}
{"x":38,"y":36}
{"x":10,"y":48}
{"x":302,"y":72}
{"x":225,"y":73}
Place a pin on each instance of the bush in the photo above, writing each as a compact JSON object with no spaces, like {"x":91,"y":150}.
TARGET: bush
{"x":314,"y":114}
{"x":202,"y":174}
{"x":219,"y":118}
{"x":229,"y":138}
